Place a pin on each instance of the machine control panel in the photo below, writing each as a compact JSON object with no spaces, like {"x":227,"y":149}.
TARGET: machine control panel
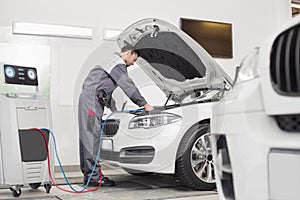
{"x":20,"y":75}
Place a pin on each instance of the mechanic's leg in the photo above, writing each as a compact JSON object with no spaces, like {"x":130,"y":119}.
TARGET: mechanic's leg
{"x":81,"y":156}
{"x":99,"y":112}
{"x":87,"y":128}
{"x":90,"y":128}
{"x":82,"y":130}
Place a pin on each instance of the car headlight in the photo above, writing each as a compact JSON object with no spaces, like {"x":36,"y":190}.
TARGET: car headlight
{"x":248,"y":68}
{"x":153,"y":120}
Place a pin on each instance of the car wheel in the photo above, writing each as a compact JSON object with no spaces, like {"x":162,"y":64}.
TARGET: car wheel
{"x":195,"y":163}
{"x":137,"y":172}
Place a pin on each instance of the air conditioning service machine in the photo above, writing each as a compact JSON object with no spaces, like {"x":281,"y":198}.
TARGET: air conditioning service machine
{"x":23,"y":153}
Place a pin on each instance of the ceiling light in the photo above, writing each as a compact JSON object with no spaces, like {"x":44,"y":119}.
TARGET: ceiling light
{"x":52,"y":30}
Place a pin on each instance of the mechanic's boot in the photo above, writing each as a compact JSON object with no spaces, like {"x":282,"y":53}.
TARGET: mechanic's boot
{"x":106,"y":182}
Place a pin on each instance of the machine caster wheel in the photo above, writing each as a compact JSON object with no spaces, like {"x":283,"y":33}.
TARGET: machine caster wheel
{"x":15,"y":193}
{"x":47,"y":186}
{"x":34,"y":185}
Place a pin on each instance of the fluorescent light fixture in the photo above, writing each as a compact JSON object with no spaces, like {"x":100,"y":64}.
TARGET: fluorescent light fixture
{"x":111,"y":34}
{"x":295,"y":5}
{"x":52,"y":30}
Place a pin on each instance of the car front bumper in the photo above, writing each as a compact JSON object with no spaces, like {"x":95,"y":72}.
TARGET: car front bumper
{"x":264,"y":160}
{"x":155,"y":154}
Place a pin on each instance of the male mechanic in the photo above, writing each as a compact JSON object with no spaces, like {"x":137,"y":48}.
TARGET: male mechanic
{"x":96,"y":93}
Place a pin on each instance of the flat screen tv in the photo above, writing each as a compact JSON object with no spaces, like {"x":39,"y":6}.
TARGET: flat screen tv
{"x":214,"y":37}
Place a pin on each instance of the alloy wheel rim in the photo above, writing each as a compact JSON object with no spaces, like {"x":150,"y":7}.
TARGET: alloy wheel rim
{"x":201,"y":159}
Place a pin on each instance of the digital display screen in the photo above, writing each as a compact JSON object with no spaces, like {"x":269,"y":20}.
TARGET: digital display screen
{"x":20,"y":75}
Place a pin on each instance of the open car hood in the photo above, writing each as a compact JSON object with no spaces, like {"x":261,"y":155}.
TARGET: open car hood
{"x":174,"y":61}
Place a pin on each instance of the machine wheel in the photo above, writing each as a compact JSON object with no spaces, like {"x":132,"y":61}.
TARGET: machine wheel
{"x":34,"y":185}
{"x":48,"y":186}
{"x":137,"y":172}
{"x":195,"y":163}
{"x":15,"y":193}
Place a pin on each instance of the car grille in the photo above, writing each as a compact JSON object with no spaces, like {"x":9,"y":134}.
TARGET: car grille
{"x":111,"y":127}
{"x":130,"y":155}
{"x":137,"y":155}
{"x":288,"y":123}
{"x":285,"y":62}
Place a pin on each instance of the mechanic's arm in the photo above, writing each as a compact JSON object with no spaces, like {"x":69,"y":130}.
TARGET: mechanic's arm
{"x":120,"y":76}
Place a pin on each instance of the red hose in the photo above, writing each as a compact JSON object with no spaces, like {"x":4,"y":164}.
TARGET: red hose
{"x":50,"y":172}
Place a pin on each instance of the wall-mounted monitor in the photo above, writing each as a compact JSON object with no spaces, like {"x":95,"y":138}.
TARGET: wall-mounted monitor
{"x":214,"y":37}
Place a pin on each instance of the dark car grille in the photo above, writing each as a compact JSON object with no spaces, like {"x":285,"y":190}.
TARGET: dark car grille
{"x":132,"y":155}
{"x":285,"y":62}
{"x":288,"y":123}
{"x":111,"y":127}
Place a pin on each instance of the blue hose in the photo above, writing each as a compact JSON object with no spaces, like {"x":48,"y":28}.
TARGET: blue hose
{"x":98,"y":154}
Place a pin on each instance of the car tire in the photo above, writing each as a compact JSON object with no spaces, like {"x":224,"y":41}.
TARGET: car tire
{"x":137,"y":172}
{"x":199,"y":176}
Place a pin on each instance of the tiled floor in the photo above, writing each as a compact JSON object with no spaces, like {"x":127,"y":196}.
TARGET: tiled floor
{"x":156,"y":187}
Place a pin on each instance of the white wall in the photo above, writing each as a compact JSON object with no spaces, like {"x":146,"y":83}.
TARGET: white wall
{"x":252,"y":22}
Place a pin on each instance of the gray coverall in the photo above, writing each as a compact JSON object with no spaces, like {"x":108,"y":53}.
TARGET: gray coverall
{"x":100,"y":84}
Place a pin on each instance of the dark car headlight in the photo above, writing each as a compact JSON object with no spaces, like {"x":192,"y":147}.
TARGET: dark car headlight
{"x":153,"y":120}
